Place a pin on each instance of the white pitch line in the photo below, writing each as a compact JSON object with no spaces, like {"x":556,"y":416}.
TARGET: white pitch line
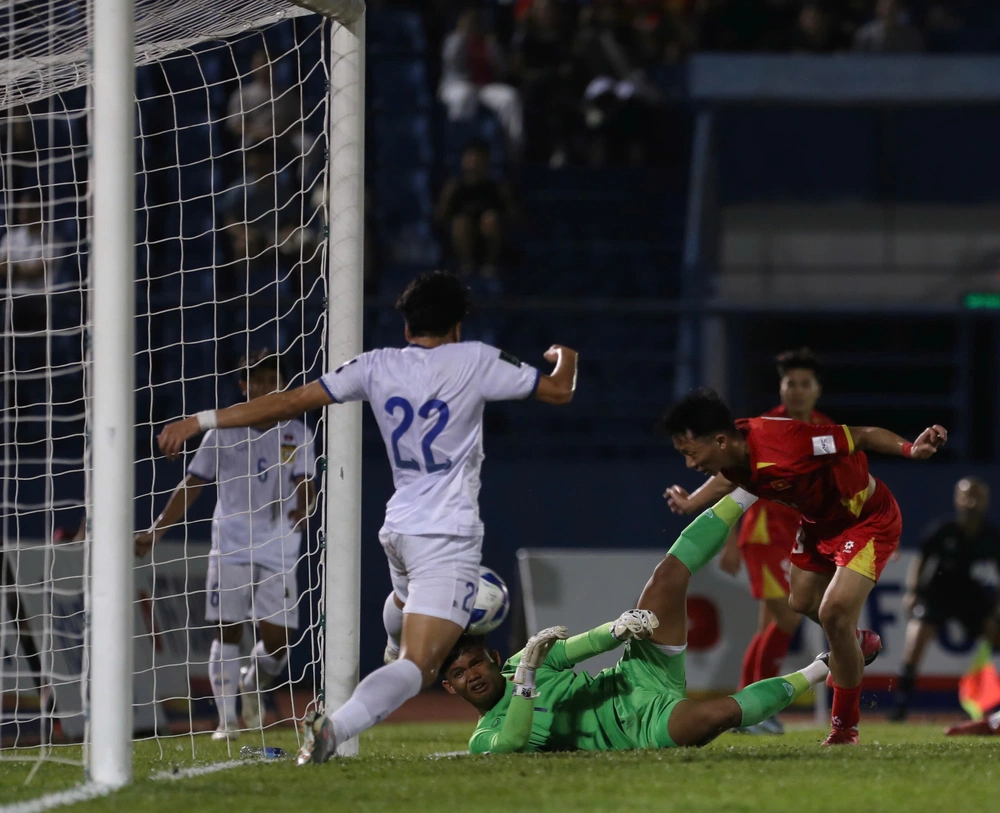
{"x":448,"y":754}
{"x":199,"y":770}
{"x":81,"y":793}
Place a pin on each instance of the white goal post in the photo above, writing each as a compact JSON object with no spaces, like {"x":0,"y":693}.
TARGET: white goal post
{"x":121,"y":34}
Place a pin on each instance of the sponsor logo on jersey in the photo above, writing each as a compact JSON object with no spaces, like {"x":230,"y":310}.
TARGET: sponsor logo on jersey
{"x":510,"y":359}
{"x":824,"y":444}
{"x":288,"y":451}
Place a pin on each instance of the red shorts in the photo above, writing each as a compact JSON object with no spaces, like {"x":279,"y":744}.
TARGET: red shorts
{"x":865,"y":547}
{"x":767,"y":567}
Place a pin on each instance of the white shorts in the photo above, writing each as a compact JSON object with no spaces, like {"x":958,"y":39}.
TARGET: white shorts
{"x":238,"y":591}
{"x":434,"y":575}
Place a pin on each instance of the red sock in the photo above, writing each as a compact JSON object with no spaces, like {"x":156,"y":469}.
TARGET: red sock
{"x":771,"y":652}
{"x":750,"y":660}
{"x":846,"y":707}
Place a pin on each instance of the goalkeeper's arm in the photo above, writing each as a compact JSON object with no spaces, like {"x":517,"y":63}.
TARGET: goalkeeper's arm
{"x":630,"y":624}
{"x":515,"y":732}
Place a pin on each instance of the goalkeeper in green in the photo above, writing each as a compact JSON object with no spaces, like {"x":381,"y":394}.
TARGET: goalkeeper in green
{"x":536,"y":702}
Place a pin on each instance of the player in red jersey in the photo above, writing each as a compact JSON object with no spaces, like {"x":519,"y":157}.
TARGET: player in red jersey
{"x":767,"y":533}
{"x":850,"y":521}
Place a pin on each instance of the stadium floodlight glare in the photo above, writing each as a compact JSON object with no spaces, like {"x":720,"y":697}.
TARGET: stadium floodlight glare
{"x":166,"y":235}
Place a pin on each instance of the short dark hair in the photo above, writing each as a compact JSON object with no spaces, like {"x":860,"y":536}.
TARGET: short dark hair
{"x":701,"y":412}
{"x":801,"y":359}
{"x":262,"y":360}
{"x":466,"y":643}
{"x":434,"y":303}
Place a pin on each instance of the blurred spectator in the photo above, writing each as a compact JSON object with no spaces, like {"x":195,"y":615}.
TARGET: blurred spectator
{"x":620,"y":102}
{"x":890,"y":32}
{"x":815,"y":31}
{"x":255,"y":114}
{"x":476,"y":209}
{"x":543,"y":64}
{"x":472,"y":73}
{"x":26,"y":254}
{"x":27,"y":264}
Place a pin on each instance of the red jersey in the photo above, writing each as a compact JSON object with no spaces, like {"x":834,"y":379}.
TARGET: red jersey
{"x":811,"y":468}
{"x":769,"y":523}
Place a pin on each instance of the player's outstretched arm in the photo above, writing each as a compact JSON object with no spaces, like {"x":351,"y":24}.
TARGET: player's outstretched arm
{"x":278,"y":406}
{"x":630,"y":624}
{"x":183,"y":496}
{"x":558,"y":388}
{"x":876,"y":439}
{"x":705,"y":496}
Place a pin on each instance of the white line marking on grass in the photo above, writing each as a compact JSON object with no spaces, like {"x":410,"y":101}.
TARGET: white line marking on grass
{"x":81,"y":793}
{"x":448,"y":754}
{"x":200,"y":770}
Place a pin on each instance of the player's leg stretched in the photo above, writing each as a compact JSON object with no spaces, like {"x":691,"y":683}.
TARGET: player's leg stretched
{"x":779,"y":623}
{"x":839,"y":613}
{"x":698,"y":722}
{"x":426,"y":641}
{"x":224,"y":675}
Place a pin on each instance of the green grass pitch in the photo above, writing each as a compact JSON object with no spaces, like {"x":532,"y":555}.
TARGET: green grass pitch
{"x":898,"y":768}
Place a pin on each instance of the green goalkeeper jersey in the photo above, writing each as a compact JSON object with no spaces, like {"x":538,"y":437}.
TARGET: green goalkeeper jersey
{"x":626,"y":706}
{"x":573,"y":711}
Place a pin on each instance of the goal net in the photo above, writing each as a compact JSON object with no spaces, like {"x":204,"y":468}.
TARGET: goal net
{"x":240,"y":147}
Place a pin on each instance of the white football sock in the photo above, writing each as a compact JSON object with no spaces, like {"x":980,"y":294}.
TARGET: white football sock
{"x":262,"y":663}
{"x":376,"y":697}
{"x":224,"y":674}
{"x":815,"y":672}
{"x":392,"y":620}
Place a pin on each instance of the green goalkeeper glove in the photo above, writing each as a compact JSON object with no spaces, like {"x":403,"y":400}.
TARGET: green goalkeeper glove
{"x":533,"y":655}
{"x":633,"y":624}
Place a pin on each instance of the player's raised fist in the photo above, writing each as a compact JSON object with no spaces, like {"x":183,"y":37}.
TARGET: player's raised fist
{"x":679,"y":500}
{"x":173,"y":436}
{"x":928,"y":442}
{"x":552,"y":354}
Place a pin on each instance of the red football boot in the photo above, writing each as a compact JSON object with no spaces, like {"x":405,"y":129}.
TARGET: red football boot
{"x":842,"y":736}
{"x":870,"y":644}
{"x":973,"y":728}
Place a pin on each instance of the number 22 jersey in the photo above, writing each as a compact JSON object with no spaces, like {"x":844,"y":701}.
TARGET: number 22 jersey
{"x":428,"y":403}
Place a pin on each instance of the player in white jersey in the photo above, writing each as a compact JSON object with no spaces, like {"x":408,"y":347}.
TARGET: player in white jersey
{"x":263,"y":475}
{"x":428,"y":399}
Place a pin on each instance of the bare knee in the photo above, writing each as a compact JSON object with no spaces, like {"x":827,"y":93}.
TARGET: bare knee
{"x":429,"y":668}
{"x":671,"y":575}
{"x":837,"y":618}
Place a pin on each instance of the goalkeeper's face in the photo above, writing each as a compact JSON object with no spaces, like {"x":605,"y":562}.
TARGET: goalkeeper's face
{"x":475,"y":676}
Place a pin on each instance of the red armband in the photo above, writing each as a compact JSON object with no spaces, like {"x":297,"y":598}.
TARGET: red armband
{"x":907,"y":449}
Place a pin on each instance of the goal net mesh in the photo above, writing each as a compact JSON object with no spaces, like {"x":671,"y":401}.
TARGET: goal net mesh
{"x":232,"y":190}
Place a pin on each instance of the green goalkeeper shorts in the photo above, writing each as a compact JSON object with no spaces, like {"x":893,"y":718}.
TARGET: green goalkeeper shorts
{"x":656,"y":683}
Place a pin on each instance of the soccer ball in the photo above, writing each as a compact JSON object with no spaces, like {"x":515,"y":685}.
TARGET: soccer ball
{"x":492,"y":604}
